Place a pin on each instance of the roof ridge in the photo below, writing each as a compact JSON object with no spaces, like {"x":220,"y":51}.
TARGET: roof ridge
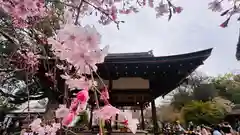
{"x":131,"y":54}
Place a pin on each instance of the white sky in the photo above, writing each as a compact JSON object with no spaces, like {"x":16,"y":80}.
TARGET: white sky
{"x":196,"y":28}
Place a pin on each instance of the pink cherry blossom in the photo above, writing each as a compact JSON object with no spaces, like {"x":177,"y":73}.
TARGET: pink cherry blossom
{"x":97,"y":56}
{"x":104,"y":95}
{"x":150,"y":3}
{"x":76,"y":83}
{"x":106,"y":112}
{"x":178,"y":9}
{"x":55,"y":127}
{"x":62,"y":111}
{"x":22,"y":10}
{"x":161,"y":9}
{"x":35,"y":125}
{"x":41,"y":131}
{"x":132,"y":125}
{"x":83,"y":96}
{"x":215,"y":5}
{"x":128,"y":121}
{"x":79,"y":46}
{"x":79,"y":103}
{"x":48,"y":129}
{"x":26,"y":133}
{"x":92,"y":38}
{"x":27,"y":60}
{"x":68,"y":119}
{"x":74,"y":104}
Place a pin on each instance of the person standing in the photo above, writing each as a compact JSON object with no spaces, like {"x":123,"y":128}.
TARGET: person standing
{"x":216,"y":130}
{"x":203,"y":130}
{"x":227,"y":129}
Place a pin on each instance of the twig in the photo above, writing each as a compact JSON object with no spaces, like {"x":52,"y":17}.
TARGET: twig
{"x":100,"y":10}
{"x":78,"y":12}
{"x":10,"y":38}
{"x":96,"y":99}
{"x":97,"y":75}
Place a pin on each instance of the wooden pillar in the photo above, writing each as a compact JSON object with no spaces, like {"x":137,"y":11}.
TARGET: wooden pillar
{"x":91,"y":118}
{"x":142,"y":117}
{"x":116,"y":124}
{"x":154,"y":117}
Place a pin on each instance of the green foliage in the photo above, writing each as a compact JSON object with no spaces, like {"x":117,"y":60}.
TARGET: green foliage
{"x":181,"y":98}
{"x":205,"y":92}
{"x":205,"y":103}
{"x":167,"y":113}
{"x":203,"y":112}
{"x":228,"y":87}
{"x":83,"y":118}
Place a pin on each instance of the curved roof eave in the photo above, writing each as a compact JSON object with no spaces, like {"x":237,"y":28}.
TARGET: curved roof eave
{"x":143,"y":57}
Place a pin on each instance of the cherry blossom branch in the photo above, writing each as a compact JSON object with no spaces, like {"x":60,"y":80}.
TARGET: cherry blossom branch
{"x":7,"y":36}
{"x":103,"y":12}
{"x":92,"y":78}
{"x":78,"y":12}
{"x":101,"y":80}
{"x":96,"y":99}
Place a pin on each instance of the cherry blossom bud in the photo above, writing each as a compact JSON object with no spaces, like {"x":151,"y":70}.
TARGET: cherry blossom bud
{"x":150,"y":3}
{"x":178,"y":9}
{"x":114,"y":12}
{"x":144,"y":2}
{"x":225,"y":23}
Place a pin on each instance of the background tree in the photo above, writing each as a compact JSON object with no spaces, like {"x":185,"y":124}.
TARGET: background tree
{"x":195,"y":87}
{"x":205,"y":92}
{"x":167,"y":113}
{"x":203,"y":112}
{"x":228,"y":87}
{"x":217,"y":95}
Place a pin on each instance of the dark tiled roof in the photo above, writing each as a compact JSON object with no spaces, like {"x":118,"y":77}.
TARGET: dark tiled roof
{"x":164,"y":73}
{"x":148,"y":57}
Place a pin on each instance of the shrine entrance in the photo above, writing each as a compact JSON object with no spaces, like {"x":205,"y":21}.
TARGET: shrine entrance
{"x":135,"y":80}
